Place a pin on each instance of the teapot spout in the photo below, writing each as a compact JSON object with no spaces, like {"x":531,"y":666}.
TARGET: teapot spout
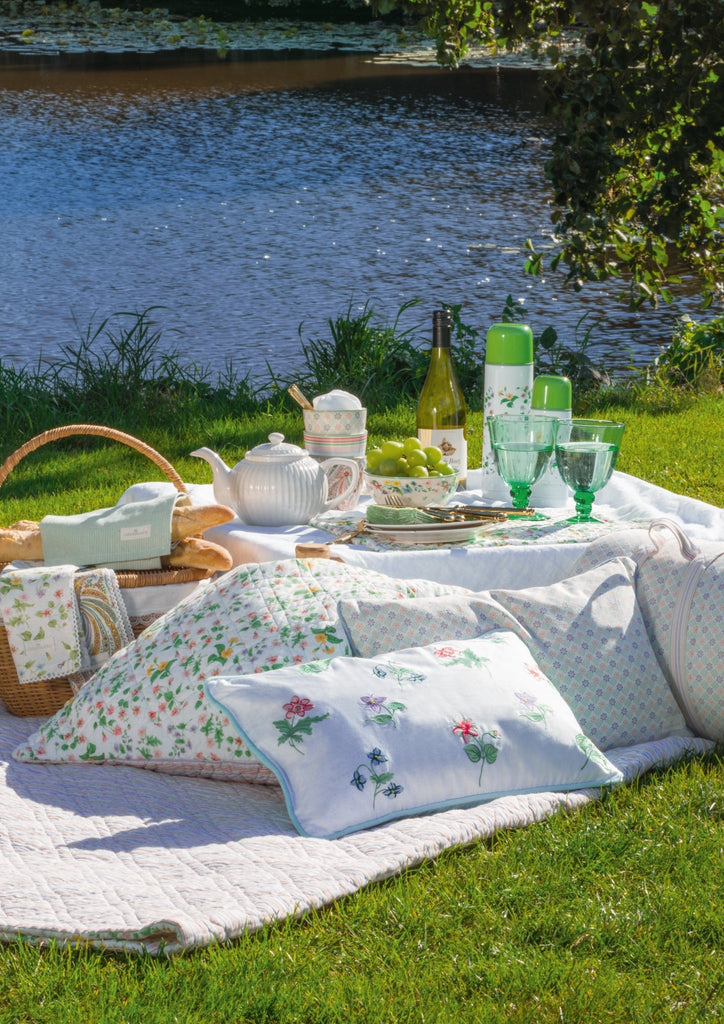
{"x":221,"y":475}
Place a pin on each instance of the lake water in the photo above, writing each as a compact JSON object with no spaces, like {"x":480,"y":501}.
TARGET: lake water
{"x":248,"y":198}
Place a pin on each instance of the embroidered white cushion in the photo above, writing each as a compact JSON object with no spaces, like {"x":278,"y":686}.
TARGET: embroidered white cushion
{"x":586,"y":632}
{"x":147,"y":706}
{"x":356,"y":741}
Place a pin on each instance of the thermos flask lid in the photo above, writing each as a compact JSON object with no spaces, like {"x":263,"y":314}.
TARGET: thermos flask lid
{"x":551,"y":392}
{"x":509,"y":344}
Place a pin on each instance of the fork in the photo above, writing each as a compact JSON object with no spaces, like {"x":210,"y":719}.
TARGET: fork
{"x":351,"y":534}
{"x":454,"y":513}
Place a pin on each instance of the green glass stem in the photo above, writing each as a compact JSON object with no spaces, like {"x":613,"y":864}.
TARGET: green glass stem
{"x":520,"y":495}
{"x":584,"y":503}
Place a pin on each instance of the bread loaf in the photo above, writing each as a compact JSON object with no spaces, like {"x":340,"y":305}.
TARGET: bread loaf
{"x":197,"y":553}
{"x":23,"y":541}
{"x":189,"y":520}
{"x":21,"y":544}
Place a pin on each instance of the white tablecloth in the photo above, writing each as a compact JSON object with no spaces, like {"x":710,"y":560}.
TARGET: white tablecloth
{"x":628,"y":501}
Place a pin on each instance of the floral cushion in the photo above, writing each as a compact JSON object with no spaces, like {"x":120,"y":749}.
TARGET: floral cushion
{"x":147,"y":706}
{"x":356,"y":741}
{"x":586,"y":632}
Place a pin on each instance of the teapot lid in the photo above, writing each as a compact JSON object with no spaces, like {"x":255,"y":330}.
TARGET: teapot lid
{"x":276,"y":450}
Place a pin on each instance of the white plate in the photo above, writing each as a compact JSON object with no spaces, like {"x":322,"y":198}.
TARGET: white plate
{"x":437,"y":533}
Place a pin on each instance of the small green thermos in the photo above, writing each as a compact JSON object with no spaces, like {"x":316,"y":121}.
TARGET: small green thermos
{"x":552,"y":396}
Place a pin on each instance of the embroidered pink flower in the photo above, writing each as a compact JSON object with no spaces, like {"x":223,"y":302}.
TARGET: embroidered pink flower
{"x":298,"y":706}
{"x":444,"y":652}
{"x":465,"y":729}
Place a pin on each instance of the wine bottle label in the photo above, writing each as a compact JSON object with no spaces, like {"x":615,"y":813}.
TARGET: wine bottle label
{"x":453,"y":445}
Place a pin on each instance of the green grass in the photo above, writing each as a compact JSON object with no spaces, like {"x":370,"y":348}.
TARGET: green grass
{"x":609,"y":915}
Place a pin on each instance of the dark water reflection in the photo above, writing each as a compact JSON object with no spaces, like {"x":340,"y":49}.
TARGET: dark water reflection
{"x":249,"y":197}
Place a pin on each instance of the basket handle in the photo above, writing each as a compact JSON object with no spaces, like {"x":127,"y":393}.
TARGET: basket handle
{"x":89,"y":428}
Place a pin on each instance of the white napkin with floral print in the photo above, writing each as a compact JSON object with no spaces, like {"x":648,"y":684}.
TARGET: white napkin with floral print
{"x":39,"y":611}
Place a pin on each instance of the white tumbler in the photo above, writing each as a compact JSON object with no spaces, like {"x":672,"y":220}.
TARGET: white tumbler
{"x":507,"y":388}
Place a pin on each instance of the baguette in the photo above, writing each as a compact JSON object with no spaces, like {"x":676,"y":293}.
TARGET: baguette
{"x":23,"y":540}
{"x":25,"y":545}
{"x":197,"y":553}
{"x":189,"y":520}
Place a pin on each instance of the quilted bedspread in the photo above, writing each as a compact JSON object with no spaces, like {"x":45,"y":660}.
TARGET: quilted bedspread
{"x":124,"y":858}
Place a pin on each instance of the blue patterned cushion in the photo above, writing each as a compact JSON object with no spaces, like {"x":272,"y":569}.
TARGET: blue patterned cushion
{"x":586,"y":632}
{"x":355,"y":742}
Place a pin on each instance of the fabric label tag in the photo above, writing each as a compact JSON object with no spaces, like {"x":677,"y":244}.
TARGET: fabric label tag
{"x":136,"y":532}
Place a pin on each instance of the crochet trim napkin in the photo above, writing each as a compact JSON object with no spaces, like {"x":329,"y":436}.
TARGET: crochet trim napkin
{"x":60,"y":624}
{"x":40,"y":616}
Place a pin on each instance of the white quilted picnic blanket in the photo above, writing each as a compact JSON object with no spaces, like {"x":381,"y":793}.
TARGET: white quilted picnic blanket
{"x":134,"y":860}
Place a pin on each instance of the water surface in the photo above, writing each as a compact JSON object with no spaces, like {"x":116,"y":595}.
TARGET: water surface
{"x":248,"y":198}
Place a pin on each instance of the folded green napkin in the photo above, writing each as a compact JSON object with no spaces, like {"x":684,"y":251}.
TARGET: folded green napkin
{"x":390,"y":515}
{"x":130,"y":536}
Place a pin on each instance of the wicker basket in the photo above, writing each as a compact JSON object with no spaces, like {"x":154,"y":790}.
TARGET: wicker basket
{"x":46,"y":697}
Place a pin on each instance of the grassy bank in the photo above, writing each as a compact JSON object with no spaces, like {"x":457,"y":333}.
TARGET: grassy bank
{"x":119,"y":374}
{"x":610,"y":915}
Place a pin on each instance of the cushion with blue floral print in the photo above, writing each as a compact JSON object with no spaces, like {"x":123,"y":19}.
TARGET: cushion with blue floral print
{"x":356,"y":742}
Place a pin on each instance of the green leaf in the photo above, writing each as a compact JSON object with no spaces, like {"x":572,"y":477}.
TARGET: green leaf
{"x":473,"y":753}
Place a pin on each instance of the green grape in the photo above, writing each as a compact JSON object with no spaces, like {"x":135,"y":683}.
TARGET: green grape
{"x":406,"y":458}
{"x":417,"y":458}
{"x":434,"y":455}
{"x":392,"y":449}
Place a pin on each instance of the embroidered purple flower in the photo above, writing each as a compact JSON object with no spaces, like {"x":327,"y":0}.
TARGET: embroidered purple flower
{"x":298,"y":706}
{"x":534,"y":710}
{"x":393,"y":789}
{"x":358,"y":779}
{"x":376,"y":756}
{"x":373,"y":703}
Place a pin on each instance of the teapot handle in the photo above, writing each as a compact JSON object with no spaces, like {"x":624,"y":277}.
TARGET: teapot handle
{"x":356,"y":469}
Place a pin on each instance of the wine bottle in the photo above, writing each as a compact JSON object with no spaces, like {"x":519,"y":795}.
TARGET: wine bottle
{"x":441,"y":413}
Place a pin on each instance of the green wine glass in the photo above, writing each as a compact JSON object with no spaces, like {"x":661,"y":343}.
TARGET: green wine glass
{"x":522,"y":448}
{"x":586,"y":455}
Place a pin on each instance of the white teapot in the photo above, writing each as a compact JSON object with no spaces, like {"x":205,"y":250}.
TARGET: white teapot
{"x":276,"y":484}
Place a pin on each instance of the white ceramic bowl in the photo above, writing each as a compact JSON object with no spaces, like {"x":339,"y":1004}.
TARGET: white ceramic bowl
{"x":410,"y":490}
